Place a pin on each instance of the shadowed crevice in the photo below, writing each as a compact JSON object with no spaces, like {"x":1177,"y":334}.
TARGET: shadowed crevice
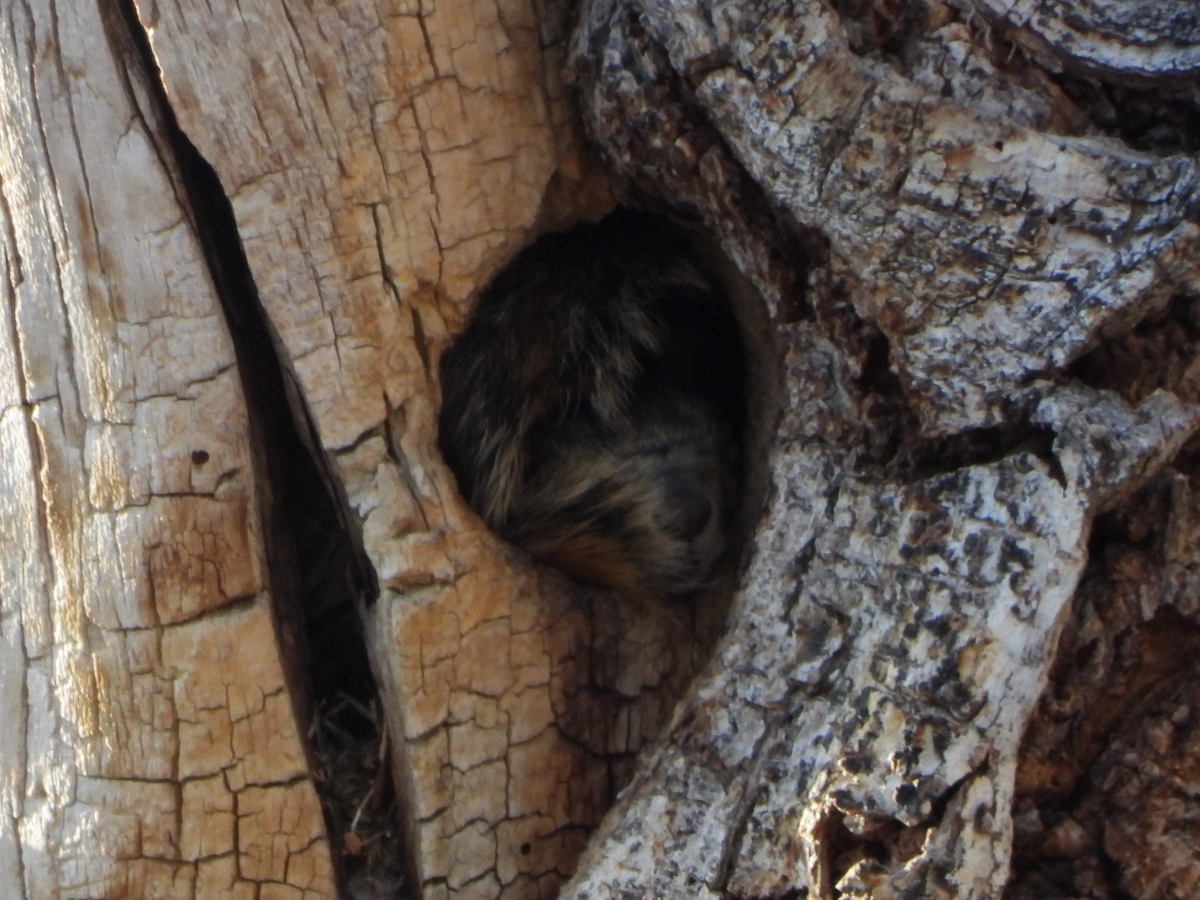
{"x":320,"y":579}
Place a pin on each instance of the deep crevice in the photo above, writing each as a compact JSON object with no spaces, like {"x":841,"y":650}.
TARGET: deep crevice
{"x":895,"y":445}
{"x":1157,"y":352}
{"x":883,"y":28}
{"x":882,"y":840}
{"x":1162,"y":118}
{"x":319,"y":577}
{"x":1125,"y":650}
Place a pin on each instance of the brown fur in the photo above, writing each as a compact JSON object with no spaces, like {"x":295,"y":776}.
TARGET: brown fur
{"x":592,"y":405}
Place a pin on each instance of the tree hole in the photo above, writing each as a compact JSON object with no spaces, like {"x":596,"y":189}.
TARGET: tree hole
{"x":594,"y":408}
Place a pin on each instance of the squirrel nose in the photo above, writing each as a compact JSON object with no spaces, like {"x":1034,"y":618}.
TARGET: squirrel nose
{"x":689,"y":507}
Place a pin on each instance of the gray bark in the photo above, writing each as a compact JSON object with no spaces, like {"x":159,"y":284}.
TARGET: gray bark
{"x":859,"y":730}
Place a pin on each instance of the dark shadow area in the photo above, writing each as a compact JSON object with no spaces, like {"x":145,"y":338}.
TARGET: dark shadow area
{"x":1104,"y":779}
{"x":1098,"y":760}
{"x":883,"y":28}
{"x":1160,"y":351}
{"x":1161,"y":119}
{"x":897,"y":450}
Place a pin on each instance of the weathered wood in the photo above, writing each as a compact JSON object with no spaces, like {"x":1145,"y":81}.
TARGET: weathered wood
{"x":149,"y":745}
{"x":382,"y":162}
{"x":1139,"y":39}
{"x":986,"y":249}
{"x":881,"y":694}
{"x":1105,"y":778}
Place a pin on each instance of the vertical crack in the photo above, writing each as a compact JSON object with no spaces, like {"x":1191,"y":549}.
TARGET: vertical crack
{"x":320,"y":578}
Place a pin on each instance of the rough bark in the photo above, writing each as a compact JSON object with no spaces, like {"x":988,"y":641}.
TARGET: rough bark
{"x":930,"y":218}
{"x":518,"y":700}
{"x":978,"y":221}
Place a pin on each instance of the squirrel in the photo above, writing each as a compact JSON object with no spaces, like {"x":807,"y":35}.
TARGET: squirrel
{"x":592,"y":407}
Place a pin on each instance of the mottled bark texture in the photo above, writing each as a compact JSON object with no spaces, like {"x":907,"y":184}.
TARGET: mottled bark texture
{"x":960,"y":635}
{"x":963,"y":207}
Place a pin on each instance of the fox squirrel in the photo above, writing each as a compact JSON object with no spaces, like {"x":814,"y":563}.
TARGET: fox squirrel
{"x":592,"y":407}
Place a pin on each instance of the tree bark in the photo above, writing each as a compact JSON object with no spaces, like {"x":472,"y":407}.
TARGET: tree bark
{"x":237,"y":238}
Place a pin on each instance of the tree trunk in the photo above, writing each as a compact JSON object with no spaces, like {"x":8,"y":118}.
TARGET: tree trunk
{"x":236,"y":240}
